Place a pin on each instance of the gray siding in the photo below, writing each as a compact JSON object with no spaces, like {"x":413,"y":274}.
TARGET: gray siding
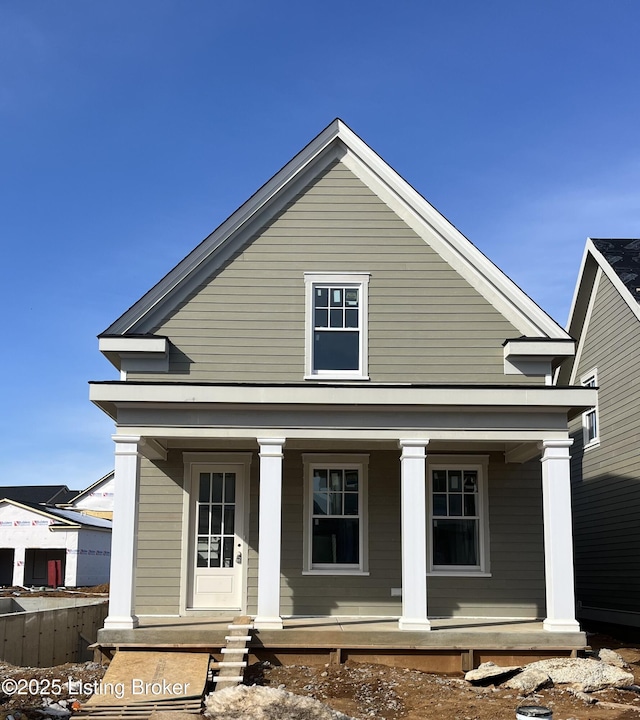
{"x":159,"y":536}
{"x":515,"y":588}
{"x":426,"y":324}
{"x":516,"y":585}
{"x":606,"y":479}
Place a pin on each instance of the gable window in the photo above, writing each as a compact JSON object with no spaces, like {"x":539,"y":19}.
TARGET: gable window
{"x":458,"y":537}
{"x":590,"y":424}
{"x":335,"y":513}
{"x":336,"y":325}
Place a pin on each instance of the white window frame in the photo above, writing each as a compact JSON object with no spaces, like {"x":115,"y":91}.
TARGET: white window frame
{"x":358,"y":280}
{"x":480,"y":464}
{"x":342,"y":462}
{"x":590,"y":379}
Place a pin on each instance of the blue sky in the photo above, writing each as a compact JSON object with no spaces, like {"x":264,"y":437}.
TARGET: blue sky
{"x":131,"y":129}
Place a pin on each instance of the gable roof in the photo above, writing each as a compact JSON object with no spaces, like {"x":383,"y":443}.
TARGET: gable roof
{"x":79,"y":496}
{"x":619,"y":260}
{"x":70,"y":518}
{"x":37,"y":493}
{"x":623,"y":256}
{"x":338,"y":142}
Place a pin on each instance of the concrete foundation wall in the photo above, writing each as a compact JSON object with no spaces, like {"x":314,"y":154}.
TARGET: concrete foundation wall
{"x":43,"y":638}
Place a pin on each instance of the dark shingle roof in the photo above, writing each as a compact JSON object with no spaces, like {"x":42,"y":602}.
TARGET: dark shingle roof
{"x":37,"y":493}
{"x":623,"y":254}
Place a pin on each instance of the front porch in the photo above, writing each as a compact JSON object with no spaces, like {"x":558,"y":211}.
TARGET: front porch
{"x":454,"y":644}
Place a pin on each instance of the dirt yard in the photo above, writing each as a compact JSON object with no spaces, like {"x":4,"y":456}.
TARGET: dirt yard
{"x":376,"y":692}
{"x":366,"y":692}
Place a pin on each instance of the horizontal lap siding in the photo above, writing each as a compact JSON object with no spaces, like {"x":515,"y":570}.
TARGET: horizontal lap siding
{"x":516,"y":587}
{"x":159,"y":539}
{"x":426,"y":324}
{"x":606,"y":479}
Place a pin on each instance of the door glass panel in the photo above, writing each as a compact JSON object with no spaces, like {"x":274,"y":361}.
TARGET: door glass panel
{"x":230,"y":488}
{"x":203,"y":520}
{"x":217,"y":487}
{"x":203,"y":552}
{"x":205,"y":486}
{"x":227,"y":554}
{"x":215,"y":520}
{"x":229,"y":517}
{"x":214,"y":552}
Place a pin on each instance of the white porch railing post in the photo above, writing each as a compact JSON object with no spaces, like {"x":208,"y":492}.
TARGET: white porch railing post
{"x":269,"y":534}
{"x":558,"y":540}
{"x":123,"y":537}
{"x":414,"y":535}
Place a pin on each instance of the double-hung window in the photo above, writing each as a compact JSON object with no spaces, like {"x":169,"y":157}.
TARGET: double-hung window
{"x":590,"y":424}
{"x":335,"y":513}
{"x":458,"y":538}
{"x":336,"y":325}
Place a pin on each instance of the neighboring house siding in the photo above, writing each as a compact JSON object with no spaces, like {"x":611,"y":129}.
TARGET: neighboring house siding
{"x":516,"y":585}
{"x":426,"y":323}
{"x":94,"y":558}
{"x":159,"y":550}
{"x":606,"y":479}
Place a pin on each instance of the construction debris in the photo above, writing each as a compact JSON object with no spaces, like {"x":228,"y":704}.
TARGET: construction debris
{"x":264,"y":703}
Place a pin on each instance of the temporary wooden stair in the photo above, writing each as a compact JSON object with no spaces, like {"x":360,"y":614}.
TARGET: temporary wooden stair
{"x":231,"y":668}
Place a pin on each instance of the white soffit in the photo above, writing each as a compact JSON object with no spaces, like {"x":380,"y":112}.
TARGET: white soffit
{"x":418,"y":213}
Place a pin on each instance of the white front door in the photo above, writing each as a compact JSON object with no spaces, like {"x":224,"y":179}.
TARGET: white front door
{"x":217,"y":516}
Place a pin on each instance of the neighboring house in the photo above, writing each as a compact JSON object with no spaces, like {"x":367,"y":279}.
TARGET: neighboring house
{"x":32,"y":536}
{"x":45,"y":494}
{"x":96,"y":500}
{"x":337,"y":405}
{"x":605,"y":466}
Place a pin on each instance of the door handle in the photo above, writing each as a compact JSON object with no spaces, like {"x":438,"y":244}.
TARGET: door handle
{"x":239,"y":559}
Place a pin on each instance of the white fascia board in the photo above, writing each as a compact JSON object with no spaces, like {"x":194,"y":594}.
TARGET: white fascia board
{"x":276,"y":395}
{"x":584,"y":324}
{"x":542,"y":349}
{"x":576,"y":291}
{"x":133,"y":344}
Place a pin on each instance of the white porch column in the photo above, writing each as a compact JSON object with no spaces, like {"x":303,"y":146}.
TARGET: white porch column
{"x":123,"y":537}
{"x":558,"y":539}
{"x":414,"y":535}
{"x":269,"y":534}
